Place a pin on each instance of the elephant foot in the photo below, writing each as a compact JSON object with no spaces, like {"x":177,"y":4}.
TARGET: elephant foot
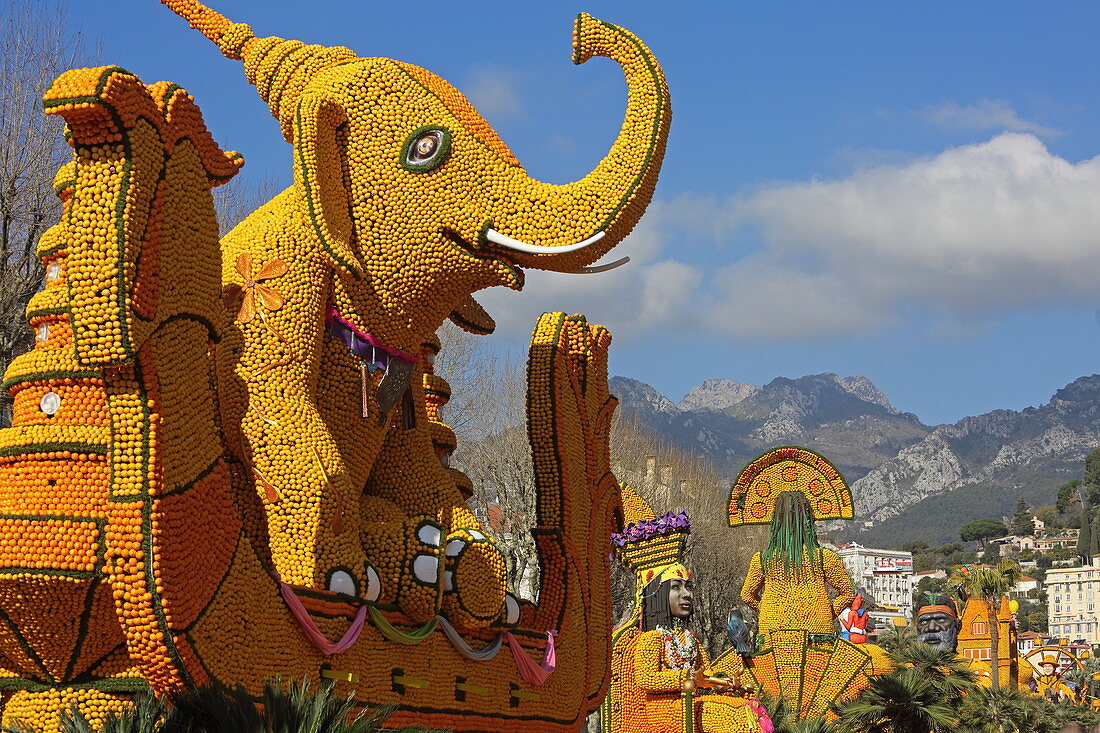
{"x":474,"y":582}
{"x":417,"y":573}
{"x":342,"y":580}
{"x":336,"y":565}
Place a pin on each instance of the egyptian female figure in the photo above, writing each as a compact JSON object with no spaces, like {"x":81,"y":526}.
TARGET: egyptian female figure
{"x":787,"y":583}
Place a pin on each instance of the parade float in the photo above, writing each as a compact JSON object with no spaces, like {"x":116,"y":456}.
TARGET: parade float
{"x":1051,"y":664}
{"x":227,"y":462}
{"x":944,"y":622}
{"x":976,"y":637}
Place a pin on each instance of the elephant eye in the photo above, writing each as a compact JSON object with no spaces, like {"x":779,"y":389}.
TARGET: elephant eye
{"x":426,"y":148}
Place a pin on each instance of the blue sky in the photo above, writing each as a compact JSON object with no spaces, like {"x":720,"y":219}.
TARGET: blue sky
{"x":907,"y":191}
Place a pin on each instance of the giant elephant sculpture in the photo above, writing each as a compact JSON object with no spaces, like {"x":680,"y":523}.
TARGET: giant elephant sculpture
{"x":228,"y":461}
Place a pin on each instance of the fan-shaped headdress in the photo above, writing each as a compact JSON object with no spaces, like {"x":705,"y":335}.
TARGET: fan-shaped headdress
{"x":753,"y":494}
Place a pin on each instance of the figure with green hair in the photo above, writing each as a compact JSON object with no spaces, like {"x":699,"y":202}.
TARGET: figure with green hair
{"x":788,"y":582}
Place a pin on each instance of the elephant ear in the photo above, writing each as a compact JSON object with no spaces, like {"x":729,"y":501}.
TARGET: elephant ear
{"x":318,"y":169}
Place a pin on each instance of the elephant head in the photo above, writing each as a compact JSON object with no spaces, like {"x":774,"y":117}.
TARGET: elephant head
{"x":407,"y":185}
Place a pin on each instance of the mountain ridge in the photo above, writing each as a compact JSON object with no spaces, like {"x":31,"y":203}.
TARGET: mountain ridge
{"x":892,"y":460}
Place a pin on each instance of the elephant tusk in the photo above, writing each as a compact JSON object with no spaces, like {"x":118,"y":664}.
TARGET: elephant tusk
{"x":496,"y":237}
{"x":593,"y":269}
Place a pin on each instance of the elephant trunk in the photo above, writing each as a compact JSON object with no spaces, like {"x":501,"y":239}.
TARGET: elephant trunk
{"x":592,"y":215}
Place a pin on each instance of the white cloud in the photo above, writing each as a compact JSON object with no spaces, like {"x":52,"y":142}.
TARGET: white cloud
{"x":983,"y":115}
{"x":974,"y":230}
{"x":493,"y":92}
{"x":963,"y":236}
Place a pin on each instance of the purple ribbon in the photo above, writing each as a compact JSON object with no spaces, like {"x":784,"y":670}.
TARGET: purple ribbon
{"x":362,"y":344}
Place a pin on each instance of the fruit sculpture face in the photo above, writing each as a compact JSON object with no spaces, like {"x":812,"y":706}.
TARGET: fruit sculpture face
{"x":240,"y":444}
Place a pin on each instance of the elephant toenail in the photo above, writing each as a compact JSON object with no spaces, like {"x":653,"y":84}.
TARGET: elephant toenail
{"x":426,"y":568}
{"x":340,"y":581}
{"x":374,"y":585}
{"x":429,"y":534}
{"x":511,"y":610}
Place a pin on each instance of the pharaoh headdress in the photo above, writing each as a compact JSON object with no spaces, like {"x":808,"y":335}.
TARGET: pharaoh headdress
{"x":752,"y":496}
{"x":651,"y":546}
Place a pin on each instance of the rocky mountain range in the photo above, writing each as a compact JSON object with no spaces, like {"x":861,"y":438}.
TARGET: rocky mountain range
{"x":909,"y":480}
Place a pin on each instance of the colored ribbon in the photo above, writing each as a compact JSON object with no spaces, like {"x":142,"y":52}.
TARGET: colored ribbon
{"x":314,"y":634}
{"x":478,"y":655}
{"x":766,"y":725}
{"x":401,"y":637}
{"x":532,"y":673}
{"x":362,"y":344}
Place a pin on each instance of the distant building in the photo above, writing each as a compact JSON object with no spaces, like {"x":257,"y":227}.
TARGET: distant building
{"x":887,"y":575}
{"x":1065,"y":539}
{"x":938,"y":574}
{"x":1024,"y":586}
{"x":1073,"y":600}
{"x":1028,"y":640}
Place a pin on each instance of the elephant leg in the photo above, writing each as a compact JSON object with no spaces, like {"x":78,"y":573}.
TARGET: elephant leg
{"x":312,"y":509}
{"x":403,"y":530}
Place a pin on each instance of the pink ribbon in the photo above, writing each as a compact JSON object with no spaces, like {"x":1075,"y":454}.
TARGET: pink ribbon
{"x":766,"y":725}
{"x":532,"y":673}
{"x":314,"y":634}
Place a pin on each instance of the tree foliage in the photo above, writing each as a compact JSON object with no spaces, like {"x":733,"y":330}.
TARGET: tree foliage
{"x":1084,"y":537}
{"x":1005,"y":711}
{"x":1022,"y":524}
{"x":1091,"y":483}
{"x":39,"y":44}
{"x":899,"y":702}
{"x":933,"y":690}
{"x":982,"y":529}
{"x":1067,"y":494}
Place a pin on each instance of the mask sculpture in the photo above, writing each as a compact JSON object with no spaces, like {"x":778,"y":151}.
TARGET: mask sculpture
{"x":938,"y":623}
{"x":228,"y":461}
{"x":797,"y":655}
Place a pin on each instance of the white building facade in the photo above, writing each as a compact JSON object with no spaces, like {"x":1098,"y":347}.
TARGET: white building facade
{"x":1073,"y":602}
{"x":887,"y":575}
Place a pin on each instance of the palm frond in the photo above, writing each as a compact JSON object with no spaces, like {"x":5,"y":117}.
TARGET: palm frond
{"x":296,"y":707}
{"x":898,"y":702}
